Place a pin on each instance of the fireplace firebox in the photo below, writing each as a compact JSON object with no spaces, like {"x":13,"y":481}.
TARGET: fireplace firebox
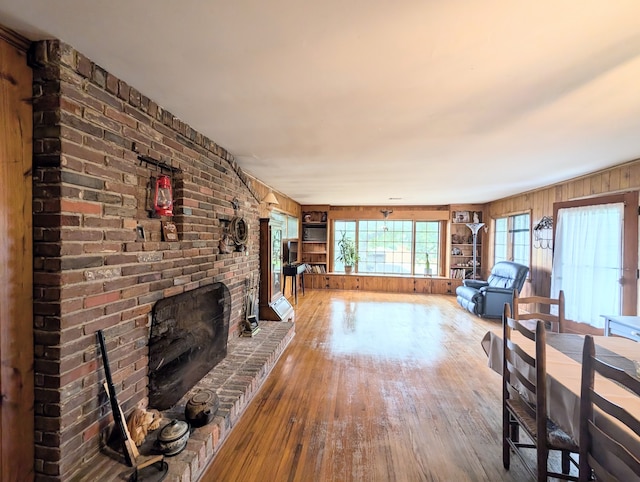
{"x":188,"y":338}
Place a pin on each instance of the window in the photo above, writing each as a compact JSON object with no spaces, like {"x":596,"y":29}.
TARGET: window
{"x":385,"y":247}
{"x":348,"y":227}
{"x":500,"y":245}
{"x":392,"y":247}
{"x":521,"y":239}
{"x":279,"y":218}
{"x":292,"y":227}
{"x":427,"y":247}
{"x":512,"y":240}
{"x":288,"y":224}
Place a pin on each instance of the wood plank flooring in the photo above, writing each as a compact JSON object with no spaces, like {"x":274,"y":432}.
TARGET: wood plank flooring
{"x":374,"y":387}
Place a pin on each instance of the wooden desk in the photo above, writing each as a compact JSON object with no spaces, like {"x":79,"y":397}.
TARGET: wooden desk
{"x":293,"y":270}
{"x":627,"y":326}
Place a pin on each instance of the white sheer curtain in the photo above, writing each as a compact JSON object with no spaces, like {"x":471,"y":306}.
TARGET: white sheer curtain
{"x":587,"y":261}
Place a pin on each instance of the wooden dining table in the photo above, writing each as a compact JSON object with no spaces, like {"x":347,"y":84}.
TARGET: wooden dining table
{"x":564,"y":373}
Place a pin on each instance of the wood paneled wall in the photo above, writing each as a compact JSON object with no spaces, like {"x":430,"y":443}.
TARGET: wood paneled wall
{"x":421,"y":213}
{"x":16,"y":263}
{"x":621,"y":178}
{"x":285,"y":203}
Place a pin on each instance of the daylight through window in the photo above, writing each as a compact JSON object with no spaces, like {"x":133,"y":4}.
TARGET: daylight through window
{"x":512,"y":241}
{"x":392,"y":247}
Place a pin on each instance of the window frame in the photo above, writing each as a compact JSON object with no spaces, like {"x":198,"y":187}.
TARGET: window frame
{"x":289,"y":224}
{"x":511,"y":237}
{"x":437,"y":265}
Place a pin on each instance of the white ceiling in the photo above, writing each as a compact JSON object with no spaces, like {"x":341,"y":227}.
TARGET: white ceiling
{"x":365,"y":101}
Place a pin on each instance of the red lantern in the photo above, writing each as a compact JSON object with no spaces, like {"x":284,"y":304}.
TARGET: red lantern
{"x":163,"y":199}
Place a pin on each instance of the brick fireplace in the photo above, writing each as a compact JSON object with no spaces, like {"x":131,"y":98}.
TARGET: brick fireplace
{"x":188,"y":338}
{"x":100,"y":261}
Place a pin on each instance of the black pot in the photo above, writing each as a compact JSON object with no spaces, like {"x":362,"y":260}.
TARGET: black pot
{"x":173,"y":437}
{"x":201,"y":408}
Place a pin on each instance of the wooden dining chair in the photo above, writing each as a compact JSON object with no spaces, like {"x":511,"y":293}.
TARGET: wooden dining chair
{"x":524,"y":403}
{"x":539,"y":308}
{"x":604,"y":447}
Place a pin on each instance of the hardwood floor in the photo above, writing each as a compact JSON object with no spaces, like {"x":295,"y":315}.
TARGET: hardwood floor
{"x":374,"y":387}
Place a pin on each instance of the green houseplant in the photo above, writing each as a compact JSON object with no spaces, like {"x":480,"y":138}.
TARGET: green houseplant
{"x":348,"y":254}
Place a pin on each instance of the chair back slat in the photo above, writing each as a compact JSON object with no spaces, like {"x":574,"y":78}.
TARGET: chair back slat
{"x":524,"y":397}
{"x":520,"y":353}
{"x":539,"y":308}
{"x":525,"y":383}
{"x":518,"y":375}
{"x":521,"y":366}
{"x":604,"y":473}
{"x":616,"y":411}
{"x":537,"y":316}
{"x":527,"y":300}
{"x":617,"y":375}
{"x":525,"y":331}
{"x":601,"y":431}
{"x":606,"y":444}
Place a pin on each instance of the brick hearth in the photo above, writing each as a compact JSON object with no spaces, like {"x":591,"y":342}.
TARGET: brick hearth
{"x":236,"y":380}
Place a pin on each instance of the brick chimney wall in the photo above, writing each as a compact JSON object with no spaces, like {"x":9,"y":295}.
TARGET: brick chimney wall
{"x":92,"y":270}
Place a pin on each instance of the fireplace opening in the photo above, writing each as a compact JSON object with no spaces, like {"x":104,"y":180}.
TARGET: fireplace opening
{"x":188,"y":338}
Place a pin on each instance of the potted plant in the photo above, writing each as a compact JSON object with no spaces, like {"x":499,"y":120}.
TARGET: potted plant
{"x":348,"y":254}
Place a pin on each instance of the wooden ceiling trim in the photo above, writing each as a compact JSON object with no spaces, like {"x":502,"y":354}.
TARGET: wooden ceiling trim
{"x":14,"y":38}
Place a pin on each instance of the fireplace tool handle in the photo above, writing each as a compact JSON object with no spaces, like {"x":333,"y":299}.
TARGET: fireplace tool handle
{"x":127,"y":443}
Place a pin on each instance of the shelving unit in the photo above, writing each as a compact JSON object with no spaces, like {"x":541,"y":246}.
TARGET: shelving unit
{"x":461,"y":254}
{"x":314,"y":240}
